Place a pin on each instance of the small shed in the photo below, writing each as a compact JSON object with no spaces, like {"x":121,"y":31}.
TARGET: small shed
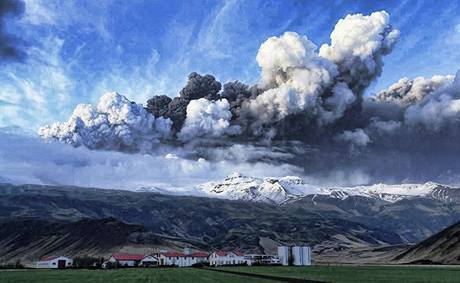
{"x":60,"y":262}
{"x":128,"y":260}
{"x":148,"y":261}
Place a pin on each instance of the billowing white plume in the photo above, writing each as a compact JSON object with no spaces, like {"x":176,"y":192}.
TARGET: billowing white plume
{"x":295,"y":77}
{"x":207,"y":118}
{"x":115,"y":123}
{"x":409,"y":91}
{"x":358,"y":43}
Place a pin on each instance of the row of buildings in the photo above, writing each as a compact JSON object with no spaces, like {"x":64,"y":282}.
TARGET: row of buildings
{"x":300,"y":256}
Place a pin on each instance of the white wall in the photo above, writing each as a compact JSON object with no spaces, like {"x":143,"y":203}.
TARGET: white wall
{"x":283,"y":255}
{"x":301,"y":255}
{"x":229,"y":259}
{"x":54,"y":263}
{"x":297,"y":255}
{"x":179,"y":261}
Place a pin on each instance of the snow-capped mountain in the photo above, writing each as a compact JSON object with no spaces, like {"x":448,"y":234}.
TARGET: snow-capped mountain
{"x":285,"y":189}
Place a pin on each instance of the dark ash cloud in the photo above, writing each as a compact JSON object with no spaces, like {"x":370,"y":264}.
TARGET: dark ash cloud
{"x":11,"y":47}
{"x":308,"y":111}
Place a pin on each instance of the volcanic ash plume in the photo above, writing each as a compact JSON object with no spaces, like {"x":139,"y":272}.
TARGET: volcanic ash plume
{"x":358,"y":44}
{"x":115,"y":124}
{"x":309,"y":107}
{"x":207,"y":118}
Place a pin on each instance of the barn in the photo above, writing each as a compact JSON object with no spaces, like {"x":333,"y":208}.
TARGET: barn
{"x":126,"y":260}
{"x":60,"y":262}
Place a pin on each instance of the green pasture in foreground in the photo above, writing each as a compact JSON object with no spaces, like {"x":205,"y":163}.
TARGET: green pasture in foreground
{"x":135,"y":275}
{"x":339,"y":274}
{"x":355,"y":274}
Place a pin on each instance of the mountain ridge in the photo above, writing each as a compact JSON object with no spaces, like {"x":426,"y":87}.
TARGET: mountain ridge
{"x":237,"y":186}
{"x":328,"y":224}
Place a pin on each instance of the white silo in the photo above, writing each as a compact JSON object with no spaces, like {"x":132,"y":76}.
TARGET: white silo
{"x":306,"y":255}
{"x":283,"y":255}
{"x":297,"y":255}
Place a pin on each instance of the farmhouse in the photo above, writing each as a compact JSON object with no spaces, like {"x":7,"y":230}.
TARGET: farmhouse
{"x":127,"y":260}
{"x":261,"y":259}
{"x":181,"y":259}
{"x":54,"y":262}
{"x":226,"y":258}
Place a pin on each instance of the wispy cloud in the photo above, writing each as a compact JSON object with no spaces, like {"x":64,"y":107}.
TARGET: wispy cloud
{"x":27,"y":159}
{"x":38,"y":89}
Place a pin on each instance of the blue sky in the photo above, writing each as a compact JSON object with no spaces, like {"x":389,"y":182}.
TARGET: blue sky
{"x":77,"y":50}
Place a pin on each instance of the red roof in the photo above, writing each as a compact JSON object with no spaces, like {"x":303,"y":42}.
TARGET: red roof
{"x":173,"y":254}
{"x":221,"y":253}
{"x":199,"y":254}
{"x":128,"y":256}
{"x":239,"y":253}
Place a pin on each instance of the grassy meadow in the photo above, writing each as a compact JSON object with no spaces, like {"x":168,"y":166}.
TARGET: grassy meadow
{"x":355,"y":274}
{"x":339,"y":274}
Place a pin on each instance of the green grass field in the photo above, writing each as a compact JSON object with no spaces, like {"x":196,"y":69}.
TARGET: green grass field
{"x":137,"y":275}
{"x":355,"y":274}
{"x":339,"y":274}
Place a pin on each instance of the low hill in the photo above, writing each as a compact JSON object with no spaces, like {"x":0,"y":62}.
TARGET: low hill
{"x":441,"y":248}
{"x":30,"y":239}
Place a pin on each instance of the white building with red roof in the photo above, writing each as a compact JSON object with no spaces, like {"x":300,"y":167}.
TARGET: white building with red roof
{"x":173,"y":258}
{"x":54,"y":262}
{"x":220,"y":258}
{"x":130,"y":260}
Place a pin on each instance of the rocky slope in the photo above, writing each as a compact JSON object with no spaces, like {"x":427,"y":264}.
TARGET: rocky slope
{"x":30,"y":239}
{"x":203,"y":223}
{"x":331,"y":224}
{"x":441,"y":248}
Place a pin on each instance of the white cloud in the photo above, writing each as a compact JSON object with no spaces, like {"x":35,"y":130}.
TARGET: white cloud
{"x":28,"y":159}
{"x":60,"y":15}
{"x":41,"y":88}
{"x":114,"y":124}
{"x":207,"y":119}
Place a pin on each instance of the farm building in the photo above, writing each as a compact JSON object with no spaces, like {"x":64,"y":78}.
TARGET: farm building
{"x":301,"y":255}
{"x":54,"y":262}
{"x":295,"y":255}
{"x":148,"y":261}
{"x":226,"y":258}
{"x":181,"y":259}
{"x":200,"y":257}
{"x":283,"y":255}
{"x":260,"y":259}
{"x":128,"y":260}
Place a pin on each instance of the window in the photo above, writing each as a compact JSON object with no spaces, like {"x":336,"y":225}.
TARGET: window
{"x":54,"y":263}
{"x":177,"y":257}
